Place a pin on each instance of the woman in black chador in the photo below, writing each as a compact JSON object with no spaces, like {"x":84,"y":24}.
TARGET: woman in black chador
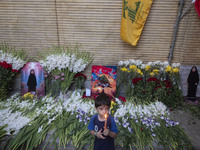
{"x":193,"y":81}
{"x":32,"y":83}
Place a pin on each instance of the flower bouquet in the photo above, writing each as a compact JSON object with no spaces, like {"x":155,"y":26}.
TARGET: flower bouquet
{"x":62,"y":64}
{"x":11,"y":61}
{"x":79,"y":80}
{"x":151,"y":81}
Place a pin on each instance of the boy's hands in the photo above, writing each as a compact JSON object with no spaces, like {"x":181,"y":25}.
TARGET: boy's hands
{"x":100,"y":134}
{"x":106,"y":132}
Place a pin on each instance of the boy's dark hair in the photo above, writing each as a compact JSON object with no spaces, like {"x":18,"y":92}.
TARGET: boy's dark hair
{"x":102,"y":99}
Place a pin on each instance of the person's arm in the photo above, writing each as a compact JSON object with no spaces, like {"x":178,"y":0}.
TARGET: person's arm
{"x":112,"y":134}
{"x":107,"y":132}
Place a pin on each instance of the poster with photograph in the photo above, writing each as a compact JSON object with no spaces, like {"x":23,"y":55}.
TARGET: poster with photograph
{"x":103,"y":79}
{"x":32,"y":79}
{"x":189,"y":75}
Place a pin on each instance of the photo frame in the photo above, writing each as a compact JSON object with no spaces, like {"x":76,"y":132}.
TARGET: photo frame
{"x":103,"y":79}
{"x":184,"y":73}
{"x":32,"y":79}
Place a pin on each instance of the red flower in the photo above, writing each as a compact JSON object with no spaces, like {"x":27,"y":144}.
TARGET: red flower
{"x":5,"y":65}
{"x":80,"y":75}
{"x":94,"y":97}
{"x":152,"y":79}
{"x":91,"y":97}
{"x":84,"y":96}
{"x":135,"y":80}
{"x":141,"y":129}
{"x":170,"y":109}
{"x":122,"y":99}
{"x":168,"y":84}
{"x":159,"y":86}
{"x":111,"y":97}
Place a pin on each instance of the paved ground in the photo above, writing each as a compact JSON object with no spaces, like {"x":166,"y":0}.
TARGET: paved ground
{"x":190,"y":124}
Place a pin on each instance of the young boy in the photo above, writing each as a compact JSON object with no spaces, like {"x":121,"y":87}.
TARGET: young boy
{"x":104,"y":137}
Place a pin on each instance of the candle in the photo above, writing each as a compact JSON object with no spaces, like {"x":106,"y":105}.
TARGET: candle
{"x":105,"y":125}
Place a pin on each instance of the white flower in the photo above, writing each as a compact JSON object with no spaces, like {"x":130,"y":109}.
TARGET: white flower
{"x":120,"y":63}
{"x":126,"y":62}
{"x":15,"y":121}
{"x":118,"y":101}
{"x":143,"y":66}
{"x":16,"y":63}
{"x":131,"y":61}
{"x":138,"y":62}
{"x":149,"y":64}
{"x":175,"y":65}
{"x":165,"y":64}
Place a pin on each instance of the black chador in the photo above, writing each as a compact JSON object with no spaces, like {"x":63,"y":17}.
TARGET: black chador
{"x":193,"y":81}
{"x":32,"y":83}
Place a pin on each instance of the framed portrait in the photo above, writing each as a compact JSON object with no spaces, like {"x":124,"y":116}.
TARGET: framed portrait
{"x":103,"y":79}
{"x":187,"y":76}
{"x":32,"y":79}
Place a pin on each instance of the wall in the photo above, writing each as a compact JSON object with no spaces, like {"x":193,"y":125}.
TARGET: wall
{"x":95,"y":25}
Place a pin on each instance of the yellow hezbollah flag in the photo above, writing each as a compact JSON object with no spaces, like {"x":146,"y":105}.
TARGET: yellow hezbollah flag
{"x":134,"y":15}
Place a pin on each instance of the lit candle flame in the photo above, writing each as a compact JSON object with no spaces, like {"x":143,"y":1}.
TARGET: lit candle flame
{"x":105,"y":125}
{"x":105,"y":116}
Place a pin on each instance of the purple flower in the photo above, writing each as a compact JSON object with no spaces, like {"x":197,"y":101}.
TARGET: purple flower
{"x":171,"y":123}
{"x":62,"y":79}
{"x":157,"y":123}
{"x":130,"y":130}
{"x":45,"y":75}
{"x":126,"y":124}
{"x":119,"y":123}
{"x":153,"y":134}
{"x":162,"y":117}
{"x":116,"y":120}
{"x":62,"y":74}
